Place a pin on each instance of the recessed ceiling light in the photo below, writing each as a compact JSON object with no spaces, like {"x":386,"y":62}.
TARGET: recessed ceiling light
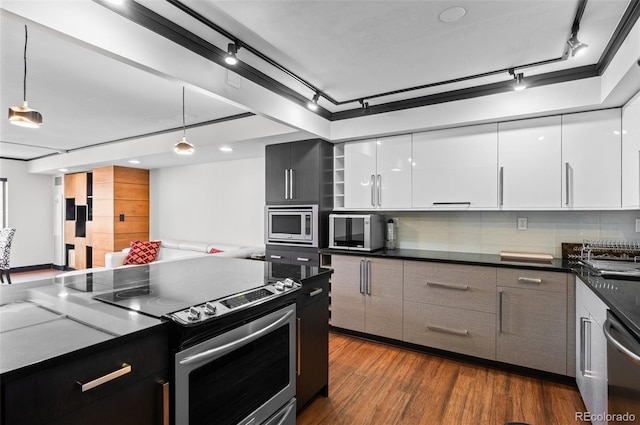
{"x":226,"y":149}
{"x":452,"y":14}
{"x":134,"y":161}
{"x":63,"y":170}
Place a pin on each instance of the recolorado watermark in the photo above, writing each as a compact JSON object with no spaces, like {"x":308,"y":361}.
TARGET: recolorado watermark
{"x":605,"y":417}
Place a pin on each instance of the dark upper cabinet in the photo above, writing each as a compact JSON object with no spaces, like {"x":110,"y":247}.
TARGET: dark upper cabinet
{"x":297,"y":172}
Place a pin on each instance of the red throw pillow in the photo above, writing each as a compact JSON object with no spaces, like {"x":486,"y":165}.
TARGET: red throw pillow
{"x":142,"y":252}
{"x":214,"y":251}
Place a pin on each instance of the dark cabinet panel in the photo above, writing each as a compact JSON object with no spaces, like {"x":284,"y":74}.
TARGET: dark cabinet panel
{"x":295,"y":172}
{"x":313,"y":347}
{"x":301,"y":256}
{"x":55,"y":394}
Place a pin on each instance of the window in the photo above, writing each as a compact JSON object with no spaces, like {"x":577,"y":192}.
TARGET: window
{"x":3,"y":202}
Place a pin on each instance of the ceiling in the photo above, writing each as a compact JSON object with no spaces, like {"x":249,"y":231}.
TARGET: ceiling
{"x":384,"y":52}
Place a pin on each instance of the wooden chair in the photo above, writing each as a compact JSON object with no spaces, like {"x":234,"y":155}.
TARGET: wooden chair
{"x":6,"y":236}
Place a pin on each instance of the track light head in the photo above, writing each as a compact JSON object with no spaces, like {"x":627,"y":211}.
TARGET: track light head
{"x":577,"y":48}
{"x":365,"y":106}
{"x":519,"y":84}
{"x":313,"y":103}
{"x":231,"y":58}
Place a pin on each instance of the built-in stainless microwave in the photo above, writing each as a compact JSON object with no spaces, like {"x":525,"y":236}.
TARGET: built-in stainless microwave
{"x":292,"y":225}
{"x":362,"y":232}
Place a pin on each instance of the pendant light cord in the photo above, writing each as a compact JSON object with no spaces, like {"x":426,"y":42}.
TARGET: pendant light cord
{"x":184,"y":127}
{"x":24,"y":81}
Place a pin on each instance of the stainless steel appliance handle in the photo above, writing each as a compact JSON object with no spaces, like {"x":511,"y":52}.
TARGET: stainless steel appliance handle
{"x":373,"y":190}
{"x":316,"y":291}
{"x":448,"y":330}
{"x":379,"y":183}
{"x":286,"y":183}
{"x":501,"y":187}
{"x":303,"y":259}
{"x":291,"y":183}
{"x":500,"y":311}
{"x":610,"y":323}
{"x":124,"y":369}
{"x":448,"y":286}
{"x":275,"y":257}
{"x":232,"y":345}
{"x":566,"y":182}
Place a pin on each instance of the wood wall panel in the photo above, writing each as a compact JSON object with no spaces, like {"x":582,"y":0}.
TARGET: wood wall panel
{"x":89,"y":233}
{"x":116,"y":191}
{"x":80,"y":183}
{"x":80,"y":253}
{"x":69,"y":231}
{"x":70,"y":185}
{"x":98,"y":257}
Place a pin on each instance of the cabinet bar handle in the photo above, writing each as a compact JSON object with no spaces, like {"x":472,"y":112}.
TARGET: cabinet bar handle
{"x":452,"y":203}
{"x":501,"y":186}
{"x":379,"y":184}
{"x":585,"y":364}
{"x":448,"y":331}
{"x":500,"y":293}
{"x":277,"y":257}
{"x":291,"y":183}
{"x":448,"y":286}
{"x":126,"y":368}
{"x":566,"y":182}
{"x":316,"y":291}
{"x":368,"y":277}
{"x":286,"y":183}
{"x":530,"y":280}
{"x":165,"y":403}
{"x":362,"y":276}
{"x":298,"y":333}
{"x":302,"y":259}
{"x":373,"y":190}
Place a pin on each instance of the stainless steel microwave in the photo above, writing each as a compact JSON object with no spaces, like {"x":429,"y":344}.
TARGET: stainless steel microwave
{"x":362,"y":232}
{"x":292,"y":225}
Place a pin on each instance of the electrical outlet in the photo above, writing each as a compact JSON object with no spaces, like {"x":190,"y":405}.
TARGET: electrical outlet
{"x":522,"y":223}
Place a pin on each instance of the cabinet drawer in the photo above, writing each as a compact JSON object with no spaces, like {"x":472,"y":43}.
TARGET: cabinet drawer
{"x":452,"y":329}
{"x":460,"y":286}
{"x":278,"y":256}
{"x":533,"y":279}
{"x":57,"y":391}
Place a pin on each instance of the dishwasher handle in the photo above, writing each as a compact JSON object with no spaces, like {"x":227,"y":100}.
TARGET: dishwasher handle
{"x":611,"y":323}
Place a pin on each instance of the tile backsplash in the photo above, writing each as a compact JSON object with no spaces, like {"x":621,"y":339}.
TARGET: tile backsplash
{"x":493,"y":231}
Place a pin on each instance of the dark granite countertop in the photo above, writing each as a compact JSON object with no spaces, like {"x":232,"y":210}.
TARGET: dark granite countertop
{"x":621,"y":296}
{"x":50,"y":318}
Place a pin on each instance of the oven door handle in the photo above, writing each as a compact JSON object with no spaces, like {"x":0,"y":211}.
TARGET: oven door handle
{"x":610,"y":323}
{"x":222,"y":350}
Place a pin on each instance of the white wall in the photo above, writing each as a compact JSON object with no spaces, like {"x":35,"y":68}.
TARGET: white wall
{"x":214,"y":202}
{"x":31,"y":212}
{"x":495,"y":231}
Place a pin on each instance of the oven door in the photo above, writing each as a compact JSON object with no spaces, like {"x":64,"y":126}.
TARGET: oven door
{"x":241,"y":377}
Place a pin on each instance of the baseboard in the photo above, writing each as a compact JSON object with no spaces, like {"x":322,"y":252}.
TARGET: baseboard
{"x":35,"y":268}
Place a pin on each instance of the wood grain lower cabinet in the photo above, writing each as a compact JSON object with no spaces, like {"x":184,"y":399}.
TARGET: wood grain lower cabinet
{"x":55,"y":395}
{"x":450,"y":307}
{"x":532,"y":319}
{"x":366,"y":295}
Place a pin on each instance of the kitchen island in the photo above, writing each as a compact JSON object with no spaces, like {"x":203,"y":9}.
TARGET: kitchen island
{"x":67,"y":357}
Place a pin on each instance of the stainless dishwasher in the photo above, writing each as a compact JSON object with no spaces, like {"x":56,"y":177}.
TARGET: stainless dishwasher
{"x":623,"y":372}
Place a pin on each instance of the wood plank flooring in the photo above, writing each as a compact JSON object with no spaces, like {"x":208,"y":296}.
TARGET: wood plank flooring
{"x":371,"y":383}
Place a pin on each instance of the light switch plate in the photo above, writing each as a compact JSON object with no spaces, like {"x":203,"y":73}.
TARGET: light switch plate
{"x":522,"y":223}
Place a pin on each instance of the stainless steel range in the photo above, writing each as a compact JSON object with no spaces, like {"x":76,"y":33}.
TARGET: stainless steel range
{"x":233,"y":332}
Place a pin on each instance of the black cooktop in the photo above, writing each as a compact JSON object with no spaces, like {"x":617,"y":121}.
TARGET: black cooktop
{"x":162,"y":288}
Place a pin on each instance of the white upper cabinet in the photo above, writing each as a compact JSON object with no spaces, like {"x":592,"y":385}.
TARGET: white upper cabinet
{"x":529,"y":162}
{"x":377,"y":173}
{"x":631,"y":154}
{"x":591,"y":164}
{"x":456,"y":168}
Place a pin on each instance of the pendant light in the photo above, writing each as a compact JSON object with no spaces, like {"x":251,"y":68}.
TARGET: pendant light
{"x":24,"y":116}
{"x":183,"y":147}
